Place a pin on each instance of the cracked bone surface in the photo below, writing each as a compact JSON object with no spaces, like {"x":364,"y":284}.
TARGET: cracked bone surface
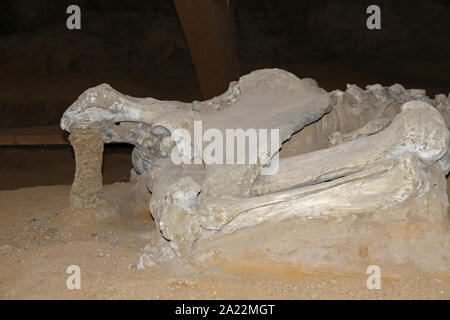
{"x":359,"y":112}
{"x":353,"y":153}
{"x":366,"y":174}
{"x":264,"y":99}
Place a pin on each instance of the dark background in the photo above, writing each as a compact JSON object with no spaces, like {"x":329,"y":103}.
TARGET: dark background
{"x":139,"y":48}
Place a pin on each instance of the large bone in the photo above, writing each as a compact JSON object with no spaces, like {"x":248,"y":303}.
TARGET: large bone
{"x":419,"y":129}
{"x":379,"y":187}
{"x":264,"y":99}
{"x":99,"y":107}
{"x":366,"y":175}
{"x":369,"y":170}
{"x":359,"y":112}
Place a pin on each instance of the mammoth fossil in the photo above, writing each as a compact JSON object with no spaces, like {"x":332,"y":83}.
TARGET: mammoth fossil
{"x":358,"y":151}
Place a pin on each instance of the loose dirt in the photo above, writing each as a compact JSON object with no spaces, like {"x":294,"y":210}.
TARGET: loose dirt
{"x":35,"y":251}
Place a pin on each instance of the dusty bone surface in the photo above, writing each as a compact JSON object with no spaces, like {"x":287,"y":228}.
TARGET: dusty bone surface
{"x":367,"y":153}
{"x":358,"y":112}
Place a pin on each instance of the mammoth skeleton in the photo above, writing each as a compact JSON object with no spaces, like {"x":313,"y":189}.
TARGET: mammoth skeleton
{"x":362,"y":151}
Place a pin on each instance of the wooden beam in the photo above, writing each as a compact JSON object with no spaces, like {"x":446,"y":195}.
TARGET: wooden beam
{"x":207,"y":28}
{"x":33,"y":136}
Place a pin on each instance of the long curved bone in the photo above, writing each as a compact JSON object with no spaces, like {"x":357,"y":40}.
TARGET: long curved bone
{"x":366,"y":175}
{"x":359,"y":112}
{"x":419,"y":129}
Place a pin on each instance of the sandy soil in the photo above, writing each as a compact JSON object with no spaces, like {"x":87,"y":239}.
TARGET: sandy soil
{"x":35,"y":251}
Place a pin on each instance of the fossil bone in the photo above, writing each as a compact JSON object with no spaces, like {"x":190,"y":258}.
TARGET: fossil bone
{"x":392,"y":139}
{"x":248,"y":103}
{"x":366,"y":175}
{"x":357,"y":112}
